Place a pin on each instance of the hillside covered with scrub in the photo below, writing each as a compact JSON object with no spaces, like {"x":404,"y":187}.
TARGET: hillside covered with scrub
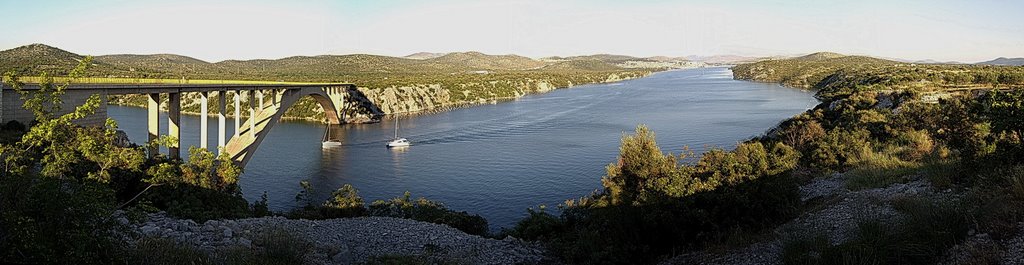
{"x":394,"y":84}
{"x":878,"y":173}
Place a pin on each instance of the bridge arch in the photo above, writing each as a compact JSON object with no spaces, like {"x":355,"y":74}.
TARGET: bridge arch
{"x":253,"y":131}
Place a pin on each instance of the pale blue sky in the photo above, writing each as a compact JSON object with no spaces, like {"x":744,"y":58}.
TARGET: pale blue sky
{"x":967,"y":31}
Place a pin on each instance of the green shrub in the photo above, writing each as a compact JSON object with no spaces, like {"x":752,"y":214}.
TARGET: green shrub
{"x":839,"y":149}
{"x":199,"y":204}
{"x":429,"y":211}
{"x":537,"y":225}
{"x":52,"y":221}
{"x":645,"y":233}
{"x":345,"y":202}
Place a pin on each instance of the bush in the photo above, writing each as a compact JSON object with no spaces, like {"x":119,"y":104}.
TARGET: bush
{"x":345,"y":202}
{"x":537,"y":225}
{"x":916,"y":145}
{"x":429,"y":211}
{"x":199,"y":204}
{"x":839,"y":149}
{"x":645,"y":233}
{"x":801,"y":133}
{"x":51,"y":221}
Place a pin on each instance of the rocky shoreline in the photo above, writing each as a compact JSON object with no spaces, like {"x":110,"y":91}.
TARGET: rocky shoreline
{"x":344,"y":240}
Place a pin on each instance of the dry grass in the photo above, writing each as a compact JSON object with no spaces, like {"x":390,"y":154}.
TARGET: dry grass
{"x":880,"y":170}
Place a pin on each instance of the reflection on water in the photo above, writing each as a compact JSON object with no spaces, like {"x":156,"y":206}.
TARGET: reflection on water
{"x":497,"y":160}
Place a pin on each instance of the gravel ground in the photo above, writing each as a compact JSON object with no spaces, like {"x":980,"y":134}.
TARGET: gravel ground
{"x":349,"y":240}
{"x":1014,"y":252}
{"x":838,"y":219}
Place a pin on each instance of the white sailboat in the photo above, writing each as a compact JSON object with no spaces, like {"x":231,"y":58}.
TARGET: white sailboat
{"x":398,"y":142}
{"x":327,"y":142}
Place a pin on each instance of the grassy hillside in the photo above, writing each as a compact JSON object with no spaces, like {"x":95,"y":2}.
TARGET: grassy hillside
{"x":836,"y":75}
{"x":37,"y":58}
{"x":464,"y":77}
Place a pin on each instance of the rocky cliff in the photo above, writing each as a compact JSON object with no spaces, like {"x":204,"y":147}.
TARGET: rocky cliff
{"x":435,"y":97}
{"x":367,"y":105}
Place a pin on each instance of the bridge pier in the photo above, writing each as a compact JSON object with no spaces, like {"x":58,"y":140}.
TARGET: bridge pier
{"x":252,"y":114}
{"x":153,"y":118}
{"x":221,"y":105}
{"x":174,"y":124}
{"x":259,"y":96}
{"x":204,"y":113}
{"x":238,"y":112}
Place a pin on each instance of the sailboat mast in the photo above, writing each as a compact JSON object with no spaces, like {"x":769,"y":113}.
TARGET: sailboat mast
{"x":396,"y":127}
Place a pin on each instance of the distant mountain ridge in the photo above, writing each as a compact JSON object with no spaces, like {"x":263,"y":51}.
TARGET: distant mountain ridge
{"x":424,"y":55}
{"x":1004,"y":61}
{"x":722,"y":59}
{"x":35,"y":58}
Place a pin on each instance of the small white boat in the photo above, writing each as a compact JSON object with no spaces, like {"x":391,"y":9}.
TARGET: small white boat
{"x":400,"y":142}
{"x":327,"y":142}
{"x":331,"y":143}
{"x":397,"y":142}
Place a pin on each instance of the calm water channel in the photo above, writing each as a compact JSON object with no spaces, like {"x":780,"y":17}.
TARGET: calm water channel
{"x":497,"y":160}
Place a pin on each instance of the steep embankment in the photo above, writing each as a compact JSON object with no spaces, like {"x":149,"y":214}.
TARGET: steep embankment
{"x":912,"y":190}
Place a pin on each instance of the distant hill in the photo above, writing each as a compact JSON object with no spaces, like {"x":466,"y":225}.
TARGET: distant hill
{"x":585,"y":65}
{"x":165,"y":63}
{"x":1004,"y":61}
{"x":804,"y":71}
{"x":666,"y":59}
{"x":722,"y":59}
{"x":36,"y":58}
{"x":423,"y":55}
{"x":608,"y":58}
{"x":930,"y":61}
{"x":480,"y":61}
{"x":818,"y":56}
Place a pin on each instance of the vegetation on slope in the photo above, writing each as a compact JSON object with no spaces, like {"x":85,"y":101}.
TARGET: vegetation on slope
{"x":837,"y":76}
{"x":468,"y":78}
{"x":877,"y":128}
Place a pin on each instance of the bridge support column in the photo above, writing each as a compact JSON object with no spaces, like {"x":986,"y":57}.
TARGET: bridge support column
{"x":238,"y":112}
{"x":259,"y":96}
{"x":204,"y":115}
{"x":221,"y":108}
{"x":252,"y":114}
{"x":154,"y":122}
{"x":174,"y":124}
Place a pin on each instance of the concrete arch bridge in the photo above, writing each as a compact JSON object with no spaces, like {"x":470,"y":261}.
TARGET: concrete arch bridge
{"x":267,"y":104}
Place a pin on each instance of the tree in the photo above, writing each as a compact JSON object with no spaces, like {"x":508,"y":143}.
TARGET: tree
{"x":640,"y":164}
{"x":56,"y":206}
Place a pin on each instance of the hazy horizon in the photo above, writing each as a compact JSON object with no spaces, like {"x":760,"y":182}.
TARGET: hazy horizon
{"x":916,"y":30}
